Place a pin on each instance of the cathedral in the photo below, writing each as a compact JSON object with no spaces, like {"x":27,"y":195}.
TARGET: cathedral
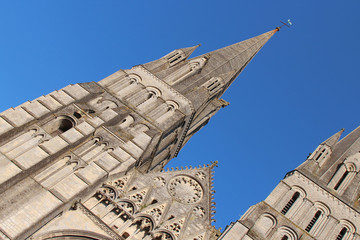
{"x":87,"y":161}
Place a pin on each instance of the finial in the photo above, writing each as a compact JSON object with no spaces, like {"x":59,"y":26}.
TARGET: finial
{"x":288,"y":24}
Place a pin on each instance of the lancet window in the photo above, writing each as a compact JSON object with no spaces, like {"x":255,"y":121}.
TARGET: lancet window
{"x":318,"y":219}
{"x":344,"y":174}
{"x":342,"y":234}
{"x":313,"y":221}
{"x":290,"y":203}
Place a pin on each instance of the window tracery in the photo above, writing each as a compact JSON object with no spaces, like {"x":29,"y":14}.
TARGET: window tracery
{"x":185,"y":189}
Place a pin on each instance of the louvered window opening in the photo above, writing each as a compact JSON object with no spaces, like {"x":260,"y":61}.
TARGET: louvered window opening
{"x":313,"y":221}
{"x":318,"y":157}
{"x":290,"y":203}
{"x":342,"y":234}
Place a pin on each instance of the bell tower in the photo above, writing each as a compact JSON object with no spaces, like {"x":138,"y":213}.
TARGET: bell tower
{"x":317,"y":200}
{"x":58,"y":149}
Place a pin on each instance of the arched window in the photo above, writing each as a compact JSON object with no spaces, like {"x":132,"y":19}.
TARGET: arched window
{"x":341,"y":180}
{"x":342,"y":233}
{"x":59,"y":125}
{"x":313,"y":221}
{"x":284,"y":233}
{"x":344,"y":175}
{"x":290,"y":203}
{"x":192,"y":67}
{"x":320,"y":154}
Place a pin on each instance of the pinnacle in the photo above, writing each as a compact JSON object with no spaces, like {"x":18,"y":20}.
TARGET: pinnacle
{"x":333,"y":139}
{"x":189,"y":50}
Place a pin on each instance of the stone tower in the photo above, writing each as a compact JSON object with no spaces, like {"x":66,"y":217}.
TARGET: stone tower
{"x":98,"y":149}
{"x":317,"y":200}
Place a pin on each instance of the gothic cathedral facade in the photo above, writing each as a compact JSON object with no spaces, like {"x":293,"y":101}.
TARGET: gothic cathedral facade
{"x":87,"y":161}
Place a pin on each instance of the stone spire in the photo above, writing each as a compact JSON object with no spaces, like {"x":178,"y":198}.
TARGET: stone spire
{"x":229,"y":61}
{"x":331,"y":141}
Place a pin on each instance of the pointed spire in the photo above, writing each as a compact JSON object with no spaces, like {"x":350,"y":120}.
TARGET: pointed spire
{"x":189,"y":50}
{"x":345,"y":144}
{"x":331,"y":141}
{"x":233,"y":58}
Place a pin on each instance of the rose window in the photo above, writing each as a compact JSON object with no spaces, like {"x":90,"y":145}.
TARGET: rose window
{"x":185,"y":189}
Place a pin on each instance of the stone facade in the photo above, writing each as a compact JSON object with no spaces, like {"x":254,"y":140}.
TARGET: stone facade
{"x":318,"y":200}
{"x":65,"y":157}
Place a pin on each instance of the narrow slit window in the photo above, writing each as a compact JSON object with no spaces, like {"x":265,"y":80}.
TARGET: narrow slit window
{"x":320,"y":154}
{"x":342,"y":234}
{"x":313,"y":221}
{"x":341,"y":180}
{"x":290,"y":203}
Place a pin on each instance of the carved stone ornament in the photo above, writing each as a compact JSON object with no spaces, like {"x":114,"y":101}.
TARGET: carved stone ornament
{"x":185,"y":189}
{"x":200,"y":175}
{"x":199,"y":211}
{"x":159,"y":181}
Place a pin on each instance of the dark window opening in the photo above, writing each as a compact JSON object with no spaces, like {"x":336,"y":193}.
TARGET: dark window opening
{"x":284,"y":238}
{"x":313,"y":221}
{"x":154,"y":201}
{"x":77,"y":115}
{"x":125,"y":235}
{"x":342,"y":234}
{"x":320,"y":154}
{"x":290,"y":203}
{"x":59,"y":125}
{"x":341,"y":180}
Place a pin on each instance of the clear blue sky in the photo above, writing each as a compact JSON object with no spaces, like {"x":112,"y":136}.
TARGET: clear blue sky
{"x":301,"y":88}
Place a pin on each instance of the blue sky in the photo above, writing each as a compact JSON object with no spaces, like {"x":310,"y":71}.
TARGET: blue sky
{"x":301,"y":88}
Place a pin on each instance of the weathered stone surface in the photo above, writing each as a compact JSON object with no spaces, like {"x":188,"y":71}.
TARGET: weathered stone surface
{"x":68,"y":187}
{"x":17,"y":116}
{"x":85,"y":128}
{"x":91,"y":173}
{"x":31,"y":157}
{"x":76,"y":91}
{"x":7,"y":169}
{"x":4,"y":126}
{"x":72,"y":135}
{"x":54,"y":145}
{"x":62,"y":97}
